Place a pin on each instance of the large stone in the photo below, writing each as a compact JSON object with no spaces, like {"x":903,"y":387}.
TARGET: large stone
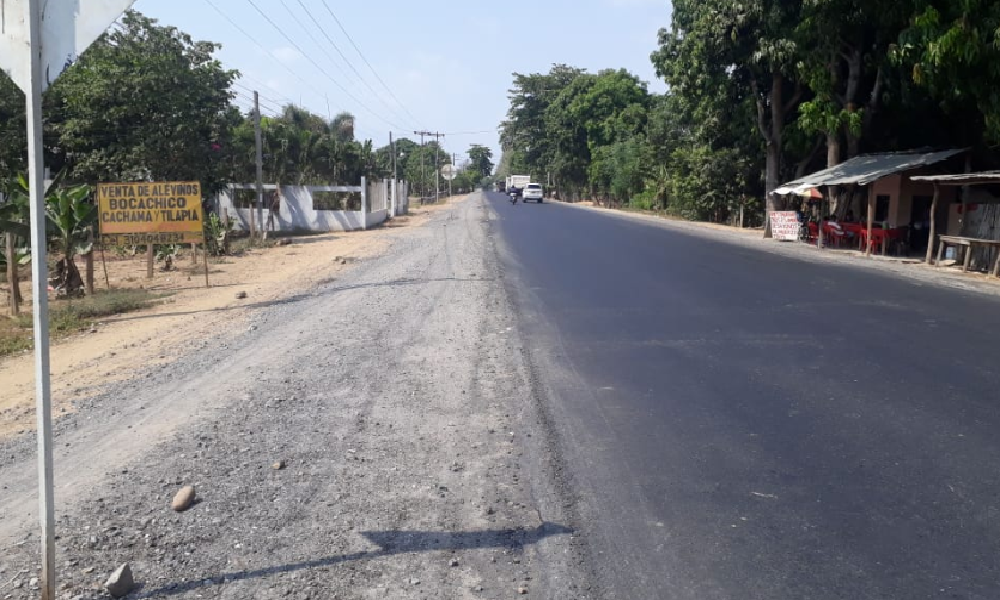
{"x":184,"y":499}
{"x":121,"y":582}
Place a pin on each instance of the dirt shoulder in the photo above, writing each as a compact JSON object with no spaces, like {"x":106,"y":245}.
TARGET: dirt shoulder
{"x":376,"y":436}
{"x":118,"y":348}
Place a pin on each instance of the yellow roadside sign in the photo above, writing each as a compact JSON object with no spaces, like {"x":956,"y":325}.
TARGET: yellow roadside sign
{"x":150,"y":212}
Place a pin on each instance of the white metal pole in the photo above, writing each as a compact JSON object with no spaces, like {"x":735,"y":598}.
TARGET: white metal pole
{"x":40,"y":302}
{"x":364,"y":203}
{"x":392,"y":198}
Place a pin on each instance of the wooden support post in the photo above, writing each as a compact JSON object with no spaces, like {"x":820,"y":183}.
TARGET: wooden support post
{"x":104,"y":262}
{"x":194,"y":253}
{"x":967,"y":249}
{"x":940,"y":253}
{"x":205,"y":248}
{"x":88,"y":272}
{"x":88,"y":266}
{"x":819,"y":235}
{"x":12,"y":277}
{"x":996,"y":264}
{"x":932,"y":231}
{"x":871,"y":218}
{"x":149,"y":261}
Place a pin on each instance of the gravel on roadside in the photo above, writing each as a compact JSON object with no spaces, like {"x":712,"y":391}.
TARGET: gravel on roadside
{"x":379,"y":436}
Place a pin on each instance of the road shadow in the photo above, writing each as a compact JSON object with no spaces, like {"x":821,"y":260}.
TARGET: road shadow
{"x":390,"y":543}
{"x":406,"y":282}
{"x":248,"y":306}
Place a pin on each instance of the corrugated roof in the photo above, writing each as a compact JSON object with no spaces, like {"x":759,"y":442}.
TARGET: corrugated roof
{"x":982,"y":177}
{"x":862,"y":170}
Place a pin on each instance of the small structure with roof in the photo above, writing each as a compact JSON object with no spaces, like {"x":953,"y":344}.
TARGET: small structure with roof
{"x":984,"y":191}
{"x":898,"y":203}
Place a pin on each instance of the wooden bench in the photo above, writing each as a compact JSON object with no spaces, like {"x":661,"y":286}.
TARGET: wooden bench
{"x":967,"y":244}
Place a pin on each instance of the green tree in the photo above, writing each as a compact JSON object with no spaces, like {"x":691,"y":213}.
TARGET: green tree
{"x":952,"y":50}
{"x":481,"y":158}
{"x":143,"y":102}
{"x":713,"y":45}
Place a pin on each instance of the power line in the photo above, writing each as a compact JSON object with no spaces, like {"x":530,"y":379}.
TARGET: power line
{"x":370,"y":67}
{"x":262,"y":48}
{"x":318,"y":66}
{"x":346,"y":60}
{"x":278,"y":96}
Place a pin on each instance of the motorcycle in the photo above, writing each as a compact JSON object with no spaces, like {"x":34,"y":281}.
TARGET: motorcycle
{"x":513,"y":197}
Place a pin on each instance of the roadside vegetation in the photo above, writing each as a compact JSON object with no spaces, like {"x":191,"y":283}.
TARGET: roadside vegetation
{"x":74,"y":317}
{"x":108,"y":121}
{"x":759,"y":93}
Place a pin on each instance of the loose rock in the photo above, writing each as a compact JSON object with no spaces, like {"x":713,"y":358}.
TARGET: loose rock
{"x":241,"y":296}
{"x":121,"y":582}
{"x":278,"y":466}
{"x":184,"y":499}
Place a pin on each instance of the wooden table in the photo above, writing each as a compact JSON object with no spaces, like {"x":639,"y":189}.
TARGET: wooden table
{"x":967,"y":245}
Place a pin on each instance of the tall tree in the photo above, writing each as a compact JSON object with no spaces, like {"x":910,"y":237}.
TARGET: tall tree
{"x":144,"y":101}
{"x":952,"y":49}
{"x":716,"y":43}
{"x":481,"y":159}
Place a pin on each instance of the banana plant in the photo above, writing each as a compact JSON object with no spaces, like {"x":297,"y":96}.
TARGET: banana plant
{"x":70,"y":215}
{"x":14,"y":214}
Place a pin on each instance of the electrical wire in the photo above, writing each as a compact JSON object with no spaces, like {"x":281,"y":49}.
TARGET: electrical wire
{"x":320,"y":67}
{"x":346,"y":60}
{"x":262,"y":48}
{"x":363,"y":58}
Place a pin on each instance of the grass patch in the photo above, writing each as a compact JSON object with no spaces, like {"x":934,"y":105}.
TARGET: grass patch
{"x":240,"y":246}
{"x":67,"y":317}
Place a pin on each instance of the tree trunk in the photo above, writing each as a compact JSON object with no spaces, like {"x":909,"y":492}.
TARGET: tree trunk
{"x":773,"y":137}
{"x":932,"y":229}
{"x":12,"y":277}
{"x":68,"y":280}
{"x":832,"y":149}
{"x":854,"y":65}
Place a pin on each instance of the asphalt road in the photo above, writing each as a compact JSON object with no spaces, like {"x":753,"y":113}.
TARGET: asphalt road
{"x":744,"y":425}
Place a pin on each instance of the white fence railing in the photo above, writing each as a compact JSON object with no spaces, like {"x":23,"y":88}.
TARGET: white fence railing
{"x":315,"y":208}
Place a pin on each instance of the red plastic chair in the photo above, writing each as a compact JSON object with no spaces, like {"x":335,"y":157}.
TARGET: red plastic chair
{"x":855,"y":229}
{"x":832,"y":234}
{"x":813,"y":231}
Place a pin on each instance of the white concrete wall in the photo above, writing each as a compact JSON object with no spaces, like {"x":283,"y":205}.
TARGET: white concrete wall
{"x":376,"y":217}
{"x":297,"y":213}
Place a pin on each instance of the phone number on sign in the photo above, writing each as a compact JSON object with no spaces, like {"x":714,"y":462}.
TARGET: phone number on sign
{"x":136,"y":239}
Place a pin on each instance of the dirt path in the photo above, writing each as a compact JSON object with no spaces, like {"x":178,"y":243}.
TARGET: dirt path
{"x":130,"y":344}
{"x":407,"y":420}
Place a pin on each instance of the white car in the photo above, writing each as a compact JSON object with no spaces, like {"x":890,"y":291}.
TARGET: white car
{"x":533,"y":191}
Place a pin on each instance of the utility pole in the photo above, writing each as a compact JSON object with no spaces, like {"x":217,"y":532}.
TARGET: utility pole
{"x":454,"y":165}
{"x":437,"y":170}
{"x":423,"y":178}
{"x":260,"y":168}
{"x":392,"y":148}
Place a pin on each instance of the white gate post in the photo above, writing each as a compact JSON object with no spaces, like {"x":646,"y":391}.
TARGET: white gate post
{"x":364,"y":204}
{"x":392,"y":196}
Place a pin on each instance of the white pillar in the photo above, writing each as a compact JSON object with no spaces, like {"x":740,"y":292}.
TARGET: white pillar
{"x":364,"y":203}
{"x":392,"y":196}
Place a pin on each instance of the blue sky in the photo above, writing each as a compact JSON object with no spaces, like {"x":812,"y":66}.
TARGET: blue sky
{"x":448,"y":63}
